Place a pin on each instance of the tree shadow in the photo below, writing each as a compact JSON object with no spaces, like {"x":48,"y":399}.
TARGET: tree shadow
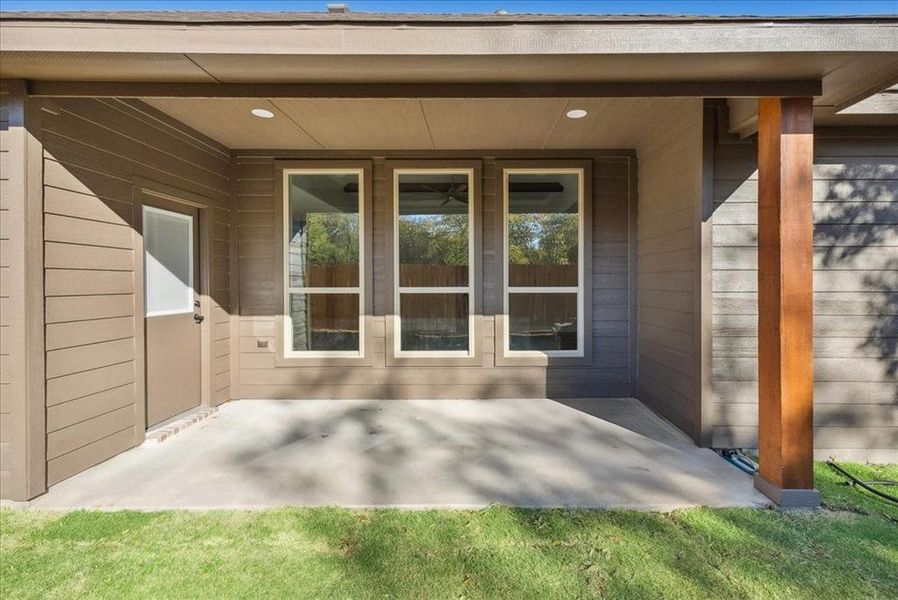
{"x":856,"y":241}
{"x":855,"y":289}
{"x":503,"y":552}
{"x":462,"y":453}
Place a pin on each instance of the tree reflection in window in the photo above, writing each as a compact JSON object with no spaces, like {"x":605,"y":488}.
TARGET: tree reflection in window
{"x":323,"y":261}
{"x":433,"y":261}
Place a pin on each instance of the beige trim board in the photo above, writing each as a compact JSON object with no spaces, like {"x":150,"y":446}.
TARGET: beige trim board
{"x":235,"y":364}
{"x":23,"y":369}
{"x":702,"y":280}
{"x":366,"y":357}
{"x":475,"y":358}
{"x":586,"y":285}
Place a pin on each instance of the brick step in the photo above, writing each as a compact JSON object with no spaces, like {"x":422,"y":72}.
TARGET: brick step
{"x":157,"y":436}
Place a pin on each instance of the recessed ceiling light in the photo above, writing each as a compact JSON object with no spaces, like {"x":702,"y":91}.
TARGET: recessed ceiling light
{"x":263,"y":113}
{"x":577,"y":113}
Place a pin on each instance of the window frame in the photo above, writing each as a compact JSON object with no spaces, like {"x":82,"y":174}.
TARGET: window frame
{"x":470,"y":289}
{"x":582,"y":353}
{"x":285,"y":350}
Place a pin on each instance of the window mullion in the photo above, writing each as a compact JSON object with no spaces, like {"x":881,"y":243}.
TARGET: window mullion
{"x":544,"y":290}
{"x":324,"y":290}
{"x":435,"y":290}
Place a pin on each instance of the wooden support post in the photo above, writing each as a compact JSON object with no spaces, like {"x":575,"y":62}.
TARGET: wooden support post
{"x":785,"y":301}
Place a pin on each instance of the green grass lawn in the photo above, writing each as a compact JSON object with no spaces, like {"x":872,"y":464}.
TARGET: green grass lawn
{"x":499,"y":552}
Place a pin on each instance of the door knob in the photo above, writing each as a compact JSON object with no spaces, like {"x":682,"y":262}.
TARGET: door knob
{"x":198,"y":318}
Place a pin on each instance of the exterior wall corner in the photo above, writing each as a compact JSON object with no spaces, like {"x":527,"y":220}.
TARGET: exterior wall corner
{"x":22,"y":383}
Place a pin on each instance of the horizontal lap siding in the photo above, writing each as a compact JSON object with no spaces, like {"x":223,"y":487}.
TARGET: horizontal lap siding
{"x":93,"y":150}
{"x":609,"y":375}
{"x":855,"y":293}
{"x":670,"y":163}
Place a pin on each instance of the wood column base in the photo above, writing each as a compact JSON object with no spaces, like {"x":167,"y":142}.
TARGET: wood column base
{"x":788,"y":498}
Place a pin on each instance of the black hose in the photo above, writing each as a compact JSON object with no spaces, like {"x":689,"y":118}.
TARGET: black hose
{"x":739,"y":460}
{"x":865,"y":484}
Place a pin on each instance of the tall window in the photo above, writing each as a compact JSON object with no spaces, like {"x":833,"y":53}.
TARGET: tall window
{"x":544,"y":262}
{"x":433,"y":261}
{"x":323,"y":262}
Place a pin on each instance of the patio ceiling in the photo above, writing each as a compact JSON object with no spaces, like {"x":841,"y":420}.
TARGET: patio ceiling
{"x":422,"y":123}
{"x":444,"y":124}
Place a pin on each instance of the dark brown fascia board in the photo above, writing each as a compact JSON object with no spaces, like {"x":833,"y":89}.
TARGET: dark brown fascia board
{"x":670,"y":89}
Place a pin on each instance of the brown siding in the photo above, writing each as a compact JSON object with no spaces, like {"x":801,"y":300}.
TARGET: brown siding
{"x":855,"y":293}
{"x":608,"y":375}
{"x":22,"y":462}
{"x":94,"y":150}
{"x":670,"y":167}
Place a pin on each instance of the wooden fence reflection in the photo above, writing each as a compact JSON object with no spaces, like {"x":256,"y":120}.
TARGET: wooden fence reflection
{"x":539,"y":311}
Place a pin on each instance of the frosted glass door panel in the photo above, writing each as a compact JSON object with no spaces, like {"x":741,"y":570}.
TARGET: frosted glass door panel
{"x":168,"y":243}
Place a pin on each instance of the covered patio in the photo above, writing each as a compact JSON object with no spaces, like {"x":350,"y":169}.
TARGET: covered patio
{"x":602,"y":157}
{"x":608,"y":453}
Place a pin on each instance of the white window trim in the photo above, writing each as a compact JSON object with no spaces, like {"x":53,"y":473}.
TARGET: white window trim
{"x":191,"y":293}
{"x":581,"y":279}
{"x":289,"y":352}
{"x":469,"y":289}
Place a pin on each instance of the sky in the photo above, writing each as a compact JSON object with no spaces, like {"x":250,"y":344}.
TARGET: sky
{"x":695,"y":7}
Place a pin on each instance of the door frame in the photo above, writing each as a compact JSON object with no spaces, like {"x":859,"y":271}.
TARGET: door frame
{"x":142,"y":189}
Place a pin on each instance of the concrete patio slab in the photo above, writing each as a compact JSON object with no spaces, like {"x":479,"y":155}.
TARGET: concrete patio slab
{"x":427,"y":453}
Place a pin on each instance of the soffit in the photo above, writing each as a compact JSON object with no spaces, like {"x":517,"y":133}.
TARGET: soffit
{"x":413,"y":124}
{"x":425,"y":124}
{"x":492,"y":123}
{"x":231,"y":123}
{"x":101,"y":66}
{"x":826,"y":116}
{"x":275,"y":68}
{"x":876,"y":109}
{"x":620,"y":123}
{"x":374,"y":123}
{"x":522,"y":67}
{"x":884,"y":103}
